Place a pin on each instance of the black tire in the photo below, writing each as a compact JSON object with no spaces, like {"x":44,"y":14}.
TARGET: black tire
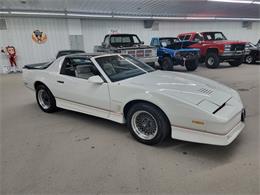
{"x":48,"y":100}
{"x":236,"y":62}
{"x":167,"y":63}
{"x":249,"y":59}
{"x":212,"y":60}
{"x":158,"y":119}
{"x":191,"y":65}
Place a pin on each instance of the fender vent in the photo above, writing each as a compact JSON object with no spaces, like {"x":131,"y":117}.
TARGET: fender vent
{"x":205,"y":91}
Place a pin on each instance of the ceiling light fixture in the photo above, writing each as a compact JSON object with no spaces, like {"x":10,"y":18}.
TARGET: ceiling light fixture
{"x":4,"y":12}
{"x":38,"y":13}
{"x":89,"y":15}
{"x":256,"y":2}
{"x":132,"y":17}
{"x":168,"y":18}
{"x":233,"y":1}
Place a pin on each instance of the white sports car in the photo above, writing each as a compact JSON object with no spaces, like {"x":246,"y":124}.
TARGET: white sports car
{"x":154,"y":104}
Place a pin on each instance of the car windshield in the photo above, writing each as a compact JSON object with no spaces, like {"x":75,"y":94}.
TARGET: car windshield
{"x":165,"y":42}
{"x":214,"y":36}
{"x":124,"y":40}
{"x":120,"y":67}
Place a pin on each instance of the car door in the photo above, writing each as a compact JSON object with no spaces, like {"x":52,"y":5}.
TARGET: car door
{"x":74,"y":91}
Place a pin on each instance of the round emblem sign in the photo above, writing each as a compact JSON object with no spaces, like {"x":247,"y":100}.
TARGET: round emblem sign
{"x":39,"y":37}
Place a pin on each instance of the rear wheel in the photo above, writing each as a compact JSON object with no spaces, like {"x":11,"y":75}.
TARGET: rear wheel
{"x":147,"y":123}
{"x":167,"y":63}
{"x":237,"y":62}
{"x":191,"y":65}
{"x":45,"y":99}
{"x":212,"y":60}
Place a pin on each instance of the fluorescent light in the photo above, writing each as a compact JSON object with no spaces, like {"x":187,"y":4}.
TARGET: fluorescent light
{"x":4,"y":12}
{"x":132,"y":17}
{"x":38,"y":13}
{"x":200,"y":18}
{"x":256,"y":2}
{"x":233,"y":1}
{"x":168,"y":18}
{"x":89,"y":15}
{"x":239,"y":19}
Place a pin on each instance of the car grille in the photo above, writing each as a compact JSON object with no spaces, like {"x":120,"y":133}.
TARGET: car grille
{"x":237,"y":47}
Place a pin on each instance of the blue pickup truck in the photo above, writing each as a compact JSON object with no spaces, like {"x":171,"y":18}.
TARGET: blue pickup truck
{"x":172,"y":51}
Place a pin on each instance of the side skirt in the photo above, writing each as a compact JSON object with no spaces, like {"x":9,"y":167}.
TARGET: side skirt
{"x":86,"y":109}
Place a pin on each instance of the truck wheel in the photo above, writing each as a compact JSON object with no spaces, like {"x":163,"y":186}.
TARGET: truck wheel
{"x":45,"y":99}
{"x":236,"y":62}
{"x":191,"y":65}
{"x":147,"y":123}
{"x":249,"y":59}
{"x":212,"y":60}
{"x":167,"y":63}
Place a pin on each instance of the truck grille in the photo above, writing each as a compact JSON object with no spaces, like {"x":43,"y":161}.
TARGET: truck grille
{"x":140,"y":53}
{"x":237,"y":47}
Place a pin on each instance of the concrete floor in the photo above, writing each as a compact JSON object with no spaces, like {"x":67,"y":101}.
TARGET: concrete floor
{"x":71,"y":153}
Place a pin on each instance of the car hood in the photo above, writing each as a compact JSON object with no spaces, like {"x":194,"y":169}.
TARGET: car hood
{"x":185,"y":87}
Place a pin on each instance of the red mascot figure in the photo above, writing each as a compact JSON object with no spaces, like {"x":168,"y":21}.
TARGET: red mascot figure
{"x":11,"y":53}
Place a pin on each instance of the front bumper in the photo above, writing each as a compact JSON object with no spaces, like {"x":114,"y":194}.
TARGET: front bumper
{"x":149,"y":60}
{"x":232,"y":55}
{"x":199,"y":136}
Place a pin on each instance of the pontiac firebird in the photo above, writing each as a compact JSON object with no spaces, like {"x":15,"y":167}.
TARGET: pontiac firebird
{"x":154,"y":104}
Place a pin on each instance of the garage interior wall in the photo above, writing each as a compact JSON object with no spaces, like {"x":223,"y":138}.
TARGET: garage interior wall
{"x":19,"y":31}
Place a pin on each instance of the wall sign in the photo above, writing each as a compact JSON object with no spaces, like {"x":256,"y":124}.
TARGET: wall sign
{"x":39,"y":37}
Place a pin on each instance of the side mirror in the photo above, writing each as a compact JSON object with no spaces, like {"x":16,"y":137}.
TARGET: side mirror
{"x":96,"y":79}
{"x":142,"y":42}
{"x":103,"y":44}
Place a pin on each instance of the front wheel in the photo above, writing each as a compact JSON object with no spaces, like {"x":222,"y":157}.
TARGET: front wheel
{"x":147,"y":123}
{"x":191,"y":65}
{"x":236,"y":62}
{"x":167,"y":63}
{"x":249,"y":59}
{"x":45,"y":99}
{"x":212,"y":60}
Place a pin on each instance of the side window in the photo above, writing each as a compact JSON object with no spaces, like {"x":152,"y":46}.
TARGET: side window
{"x":67,"y":68}
{"x":79,"y":67}
{"x":155,"y":43}
{"x":198,"y":38}
{"x":187,"y":37}
{"x":181,"y":37}
{"x":106,"y":40}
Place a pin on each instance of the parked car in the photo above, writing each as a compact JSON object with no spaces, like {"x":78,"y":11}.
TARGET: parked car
{"x":215,"y":48}
{"x":128,"y":44}
{"x":254,"y":54}
{"x":153,"y":104}
{"x":171,"y":51}
{"x":66,"y":52}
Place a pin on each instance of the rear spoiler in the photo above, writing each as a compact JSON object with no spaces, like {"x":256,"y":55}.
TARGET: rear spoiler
{"x":39,"y":66}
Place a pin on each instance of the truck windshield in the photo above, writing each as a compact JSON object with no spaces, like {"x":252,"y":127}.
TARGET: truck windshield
{"x":124,"y":40}
{"x":214,"y":36}
{"x":120,"y":67}
{"x":166,"y":42}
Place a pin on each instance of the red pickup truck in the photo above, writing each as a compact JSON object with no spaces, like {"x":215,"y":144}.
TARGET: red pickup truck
{"x":215,"y":48}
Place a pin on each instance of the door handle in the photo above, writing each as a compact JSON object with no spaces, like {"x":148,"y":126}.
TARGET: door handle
{"x":60,"y":82}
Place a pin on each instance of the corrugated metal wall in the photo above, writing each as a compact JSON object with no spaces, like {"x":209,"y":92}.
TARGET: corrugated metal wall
{"x":20,"y":30}
{"x":19,"y":34}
